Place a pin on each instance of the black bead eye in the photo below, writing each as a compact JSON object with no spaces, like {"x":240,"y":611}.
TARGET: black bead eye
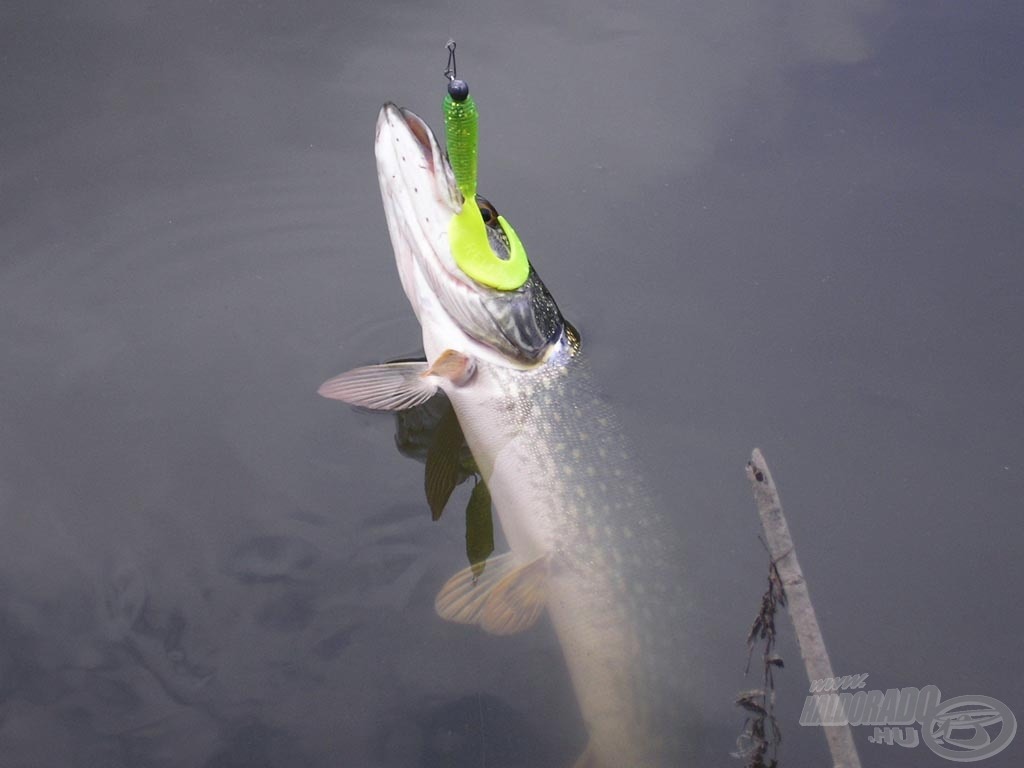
{"x":487,"y":211}
{"x":458,"y":90}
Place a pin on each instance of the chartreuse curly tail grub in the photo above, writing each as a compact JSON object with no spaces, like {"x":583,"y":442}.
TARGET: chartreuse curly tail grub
{"x":467,"y":233}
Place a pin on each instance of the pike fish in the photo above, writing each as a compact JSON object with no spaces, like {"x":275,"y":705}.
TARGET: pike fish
{"x":587,"y":545}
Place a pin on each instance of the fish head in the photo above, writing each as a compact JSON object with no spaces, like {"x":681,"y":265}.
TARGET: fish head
{"x":518,"y":326}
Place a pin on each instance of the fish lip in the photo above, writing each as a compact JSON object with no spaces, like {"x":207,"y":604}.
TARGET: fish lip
{"x":414,"y":125}
{"x":394,"y":118}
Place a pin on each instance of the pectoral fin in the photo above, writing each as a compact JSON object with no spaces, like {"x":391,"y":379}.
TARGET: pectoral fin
{"x":508,"y":597}
{"x":388,"y":387}
{"x":398,"y":386}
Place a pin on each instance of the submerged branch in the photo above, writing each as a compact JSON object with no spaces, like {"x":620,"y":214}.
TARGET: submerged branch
{"x":808,"y":633}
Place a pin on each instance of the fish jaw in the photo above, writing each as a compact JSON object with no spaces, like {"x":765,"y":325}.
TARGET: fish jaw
{"x":419,"y":200}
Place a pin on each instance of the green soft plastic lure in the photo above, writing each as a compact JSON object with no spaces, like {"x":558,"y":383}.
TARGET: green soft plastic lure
{"x":467,"y":231}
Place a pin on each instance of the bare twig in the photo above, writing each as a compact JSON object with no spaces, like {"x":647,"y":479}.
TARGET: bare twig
{"x":808,"y":633}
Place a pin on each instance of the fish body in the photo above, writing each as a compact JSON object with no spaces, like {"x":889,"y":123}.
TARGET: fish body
{"x":587,"y":545}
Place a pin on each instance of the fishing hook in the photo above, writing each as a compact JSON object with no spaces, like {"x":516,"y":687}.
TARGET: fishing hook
{"x":449,"y":71}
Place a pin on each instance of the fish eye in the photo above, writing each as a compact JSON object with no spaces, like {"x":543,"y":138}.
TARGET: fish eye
{"x":487,"y":211}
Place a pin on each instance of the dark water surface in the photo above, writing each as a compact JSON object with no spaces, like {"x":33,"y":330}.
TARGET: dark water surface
{"x":796,"y":225}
